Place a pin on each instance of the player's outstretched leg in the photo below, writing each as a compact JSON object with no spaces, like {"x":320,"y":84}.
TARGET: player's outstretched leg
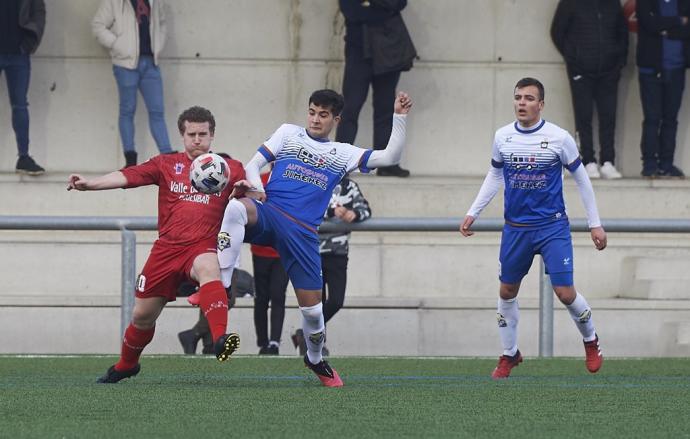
{"x":328,"y":376}
{"x":113,"y":375}
{"x":505,"y":364}
{"x":226,"y":345}
{"x":593,"y":357}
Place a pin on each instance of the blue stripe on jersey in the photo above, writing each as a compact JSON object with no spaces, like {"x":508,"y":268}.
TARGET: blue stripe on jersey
{"x":497,"y":165}
{"x":573,"y":166}
{"x":533,"y":130}
{"x":268,"y":155}
{"x":364,"y":160}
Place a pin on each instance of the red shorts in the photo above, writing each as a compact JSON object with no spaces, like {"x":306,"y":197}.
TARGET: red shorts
{"x":167,"y":267}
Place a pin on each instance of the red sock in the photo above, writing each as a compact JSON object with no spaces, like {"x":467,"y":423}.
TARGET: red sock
{"x":133,"y":343}
{"x":213,"y":301}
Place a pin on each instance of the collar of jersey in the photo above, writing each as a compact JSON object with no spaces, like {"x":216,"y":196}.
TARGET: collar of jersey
{"x":318,"y":139}
{"x":531,"y":130}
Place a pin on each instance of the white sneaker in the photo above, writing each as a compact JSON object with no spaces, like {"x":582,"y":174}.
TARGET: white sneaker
{"x":592,"y":170}
{"x":609,"y":172}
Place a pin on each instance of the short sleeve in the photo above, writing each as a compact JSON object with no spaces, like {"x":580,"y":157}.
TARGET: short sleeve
{"x":272,"y":146}
{"x":357,"y":158}
{"x":496,"y":158}
{"x":144,"y":174}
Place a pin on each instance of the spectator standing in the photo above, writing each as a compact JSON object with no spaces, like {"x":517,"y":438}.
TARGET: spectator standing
{"x":663,"y":54}
{"x":270,"y":285}
{"x":134,"y":32}
{"x":21,"y":28}
{"x":347,"y":205}
{"x":378,"y":48}
{"x":592,"y":37}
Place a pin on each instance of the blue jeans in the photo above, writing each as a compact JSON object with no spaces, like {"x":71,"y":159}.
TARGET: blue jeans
{"x":147,"y":78}
{"x":17,"y":70}
{"x":661,"y":96}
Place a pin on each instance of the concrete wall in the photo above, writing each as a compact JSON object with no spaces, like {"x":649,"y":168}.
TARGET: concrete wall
{"x":255,"y":70}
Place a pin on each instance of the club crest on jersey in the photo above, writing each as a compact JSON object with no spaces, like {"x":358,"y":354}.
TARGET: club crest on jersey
{"x":528,"y":162}
{"x":509,"y":139}
{"x":223,"y":241}
{"x":544,"y":144}
{"x":178,"y":168}
{"x":311,"y":159}
{"x":333,"y":152}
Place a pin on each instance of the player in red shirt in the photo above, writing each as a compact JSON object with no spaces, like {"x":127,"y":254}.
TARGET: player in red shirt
{"x":188,"y":226}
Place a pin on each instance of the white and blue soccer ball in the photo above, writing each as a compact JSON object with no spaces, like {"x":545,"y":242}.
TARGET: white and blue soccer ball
{"x":209,"y":173}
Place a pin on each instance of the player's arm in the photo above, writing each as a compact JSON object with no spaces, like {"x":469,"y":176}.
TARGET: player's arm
{"x":252,"y":185}
{"x":396,"y":143}
{"x":493,"y":182}
{"x":114,"y":180}
{"x":584,"y":186}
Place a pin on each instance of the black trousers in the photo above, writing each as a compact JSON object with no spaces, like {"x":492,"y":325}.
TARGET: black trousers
{"x":270,"y":283}
{"x":334,"y":269}
{"x":359,"y":75}
{"x":602,"y":91}
{"x":661,"y":97}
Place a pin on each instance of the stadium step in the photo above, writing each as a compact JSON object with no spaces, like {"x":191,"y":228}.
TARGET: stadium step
{"x":656,"y":277}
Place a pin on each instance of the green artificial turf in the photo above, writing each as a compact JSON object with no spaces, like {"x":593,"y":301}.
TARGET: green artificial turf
{"x":176,"y":396}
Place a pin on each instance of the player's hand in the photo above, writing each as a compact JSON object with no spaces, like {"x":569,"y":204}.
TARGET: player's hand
{"x":257,"y":195}
{"x":598,"y":237}
{"x":77,"y":182}
{"x":244,"y":187}
{"x":465,"y":226}
{"x":403,"y":103}
{"x":345,"y":214}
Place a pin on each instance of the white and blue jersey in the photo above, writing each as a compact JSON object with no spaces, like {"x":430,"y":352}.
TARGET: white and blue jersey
{"x":306,"y":170}
{"x":532,"y":161}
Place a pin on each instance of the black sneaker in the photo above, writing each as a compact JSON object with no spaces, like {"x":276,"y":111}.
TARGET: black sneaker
{"x":27,"y":165}
{"x":328,"y":376}
{"x":226,"y":345}
{"x":672,"y":172}
{"x":130,"y":158}
{"x":272,"y":349}
{"x":649,"y":171}
{"x":393,"y":171}
{"x":188,"y":340}
{"x":263,"y":350}
{"x":113,"y":376}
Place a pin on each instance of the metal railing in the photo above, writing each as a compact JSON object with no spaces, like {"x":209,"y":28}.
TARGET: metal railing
{"x":127,"y":226}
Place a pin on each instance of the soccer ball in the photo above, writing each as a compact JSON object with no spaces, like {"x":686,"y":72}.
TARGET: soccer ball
{"x":209,"y":173}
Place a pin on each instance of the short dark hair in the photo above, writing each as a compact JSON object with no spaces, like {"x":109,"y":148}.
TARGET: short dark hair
{"x":328,"y":98}
{"x":198,"y":115}
{"x":526,"y":82}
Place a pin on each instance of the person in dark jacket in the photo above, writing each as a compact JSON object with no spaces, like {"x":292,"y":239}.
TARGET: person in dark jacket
{"x":377,"y":49}
{"x":22,"y":23}
{"x":592,"y":37}
{"x":663,"y":54}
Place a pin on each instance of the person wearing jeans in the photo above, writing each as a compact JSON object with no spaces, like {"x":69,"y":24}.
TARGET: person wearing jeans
{"x":21,"y":27}
{"x":663,"y":54}
{"x":134,"y":31}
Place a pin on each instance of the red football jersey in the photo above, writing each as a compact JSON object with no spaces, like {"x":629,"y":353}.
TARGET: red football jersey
{"x":185,"y":216}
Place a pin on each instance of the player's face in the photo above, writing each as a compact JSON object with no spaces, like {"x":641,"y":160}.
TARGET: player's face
{"x":197,"y":138}
{"x":320,"y":121}
{"x":528,"y":105}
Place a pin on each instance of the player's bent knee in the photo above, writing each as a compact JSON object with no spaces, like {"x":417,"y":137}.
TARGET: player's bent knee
{"x":312,"y":313}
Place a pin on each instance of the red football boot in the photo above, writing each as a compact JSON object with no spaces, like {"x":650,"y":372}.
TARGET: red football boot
{"x":505,"y":365}
{"x":593,"y":357}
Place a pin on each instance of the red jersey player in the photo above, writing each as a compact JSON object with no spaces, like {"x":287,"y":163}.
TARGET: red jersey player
{"x":188,"y":225}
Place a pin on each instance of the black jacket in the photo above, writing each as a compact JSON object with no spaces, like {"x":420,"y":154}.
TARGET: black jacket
{"x":650,"y":27}
{"x":378,"y":32}
{"x":591,"y":35}
{"x":32,"y":20}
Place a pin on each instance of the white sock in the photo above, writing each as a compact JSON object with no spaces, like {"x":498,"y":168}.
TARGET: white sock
{"x":230,"y":239}
{"x":314,"y":331}
{"x":508,"y":316}
{"x":582,"y":316}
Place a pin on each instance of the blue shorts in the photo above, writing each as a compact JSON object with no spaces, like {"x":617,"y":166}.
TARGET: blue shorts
{"x":296,"y":243}
{"x":552,"y":241}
